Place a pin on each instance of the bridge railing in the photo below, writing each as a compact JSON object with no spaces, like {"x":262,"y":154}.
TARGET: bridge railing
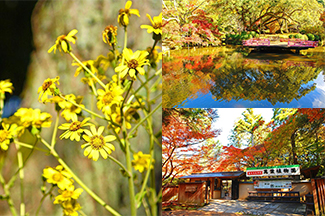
{"x":256,"y":42}
{"x":302,"y":43}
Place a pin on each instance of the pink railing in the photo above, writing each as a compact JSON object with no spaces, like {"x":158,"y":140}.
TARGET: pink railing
{"x":256,"y":42}
{"x":302,"y":43}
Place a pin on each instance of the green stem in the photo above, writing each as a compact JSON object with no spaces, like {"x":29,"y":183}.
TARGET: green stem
{"x":142,"y":120}
{"x":144,"y":184}
{"x":120,"y":164}
{"x":153,"y":181}
{"x":76,"y":178}
{"x":146,"y":207}
{"x":130,"y":178}
{"x":125,"y":44}
{"x":55,"y":130}
{"x":93,"y":88}
{"x":8,"y":196}
{"x":87,"y":69}
{"x":43,"y":198}
{"x":153,"y":47}
{"x":127,"y":93}
{"x":150,"y":78}
{"x":30,"y":146}
{"x":21,"y":176}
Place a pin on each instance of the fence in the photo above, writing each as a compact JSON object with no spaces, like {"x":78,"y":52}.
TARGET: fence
{"x":169,"y":192}
{"x":256,"y":42}
{"x":302,"y":43}
{"x":192,"y":193}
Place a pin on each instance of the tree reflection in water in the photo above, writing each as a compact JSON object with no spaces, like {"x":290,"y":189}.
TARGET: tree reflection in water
{"x":232,"y":76}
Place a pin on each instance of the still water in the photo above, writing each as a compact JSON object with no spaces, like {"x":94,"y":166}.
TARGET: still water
{"x":230,"y":77}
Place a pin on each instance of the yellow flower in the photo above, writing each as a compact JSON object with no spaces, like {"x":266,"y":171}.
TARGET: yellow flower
{"x":73,"y":129}
{"x":155,"y":56}
{"x":96,"y":143}
{"x":33,"y":117}
{"x":6,"y":86}
{"x":141,"y":161}
{"x":58,"y":176}
{"x":134,"y":63}
{"x":70,"y":111}
{"x":109,"y":98}
{"x":109,"y":35}
{"x":62,"y":42}
{"x":68,"y":194}
{"x":89,"y":64}
{"x":48,"y":88}
{"x":55,"y":99}
{"x":6,"y":135}
{"x":156,"y":25}
{"x":129,"y":112}
{"x":71,"y":207}
{"x":124,"y":14}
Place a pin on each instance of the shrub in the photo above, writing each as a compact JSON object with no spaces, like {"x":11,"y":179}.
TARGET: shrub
{"x":298,"y":36}
{"x":304,"y":37}
{"x":303,"y":32}
{"x":310,"y":36}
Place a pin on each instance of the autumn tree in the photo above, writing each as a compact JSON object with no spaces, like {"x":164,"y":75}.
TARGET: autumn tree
{"x":293,"y":136}
{"x":185,"y":141}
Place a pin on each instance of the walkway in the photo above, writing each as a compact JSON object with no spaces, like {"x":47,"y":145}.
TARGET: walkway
{"x":255,"y":208}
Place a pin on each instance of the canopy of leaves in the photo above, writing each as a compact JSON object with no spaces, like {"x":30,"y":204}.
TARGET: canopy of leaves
{"x":187,"y":144}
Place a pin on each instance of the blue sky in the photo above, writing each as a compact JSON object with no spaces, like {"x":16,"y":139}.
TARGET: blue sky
{"x":228,"y":116}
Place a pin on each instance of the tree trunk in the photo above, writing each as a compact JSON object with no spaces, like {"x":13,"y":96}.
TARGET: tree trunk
{"x":293,"y":146}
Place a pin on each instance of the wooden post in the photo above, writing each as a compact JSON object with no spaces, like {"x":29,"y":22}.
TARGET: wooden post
{"x":313,"y":184}
{"x":321,"y":192}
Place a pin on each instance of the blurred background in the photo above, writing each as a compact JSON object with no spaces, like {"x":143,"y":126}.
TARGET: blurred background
{"x":29,"y":29}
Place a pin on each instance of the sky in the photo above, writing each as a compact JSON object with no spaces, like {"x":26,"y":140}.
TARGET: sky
{"x":228,"y":116}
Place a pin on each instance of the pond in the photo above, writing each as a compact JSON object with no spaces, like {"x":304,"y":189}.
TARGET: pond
{"x":236,"y":77}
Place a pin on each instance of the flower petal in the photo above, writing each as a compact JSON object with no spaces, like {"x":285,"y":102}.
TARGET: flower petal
{"x":87,"y":150}
{"x":100,"y":130}
{"x":103,"y":153}
{"x":95,"y":155}
{"x":109,"y":138}
{"x":128,"y":4}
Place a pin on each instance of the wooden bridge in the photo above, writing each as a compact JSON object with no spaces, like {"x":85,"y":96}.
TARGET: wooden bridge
{"x":265,"y":44}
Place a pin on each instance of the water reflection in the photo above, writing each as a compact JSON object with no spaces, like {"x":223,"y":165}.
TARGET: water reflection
{"x":222,"y":77}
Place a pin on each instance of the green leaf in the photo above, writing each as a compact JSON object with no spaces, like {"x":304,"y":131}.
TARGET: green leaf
{"x":138,"y":197}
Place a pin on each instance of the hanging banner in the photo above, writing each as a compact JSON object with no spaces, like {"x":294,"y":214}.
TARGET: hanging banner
{"x":272,"y":184}
{"x":273,"y":171}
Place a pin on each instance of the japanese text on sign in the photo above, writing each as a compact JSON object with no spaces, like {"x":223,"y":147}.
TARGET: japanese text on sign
{"x":273,"y":171}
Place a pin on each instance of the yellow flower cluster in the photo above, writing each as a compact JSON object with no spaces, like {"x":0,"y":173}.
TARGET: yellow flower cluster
{"x":110,"y":99}
{"x":7,"y":134}
{"x":156,"y":25}
{"x":48,"y":88}
{"x":125,"y":13}
{"x":74,"y":129}
{"x":70,"y":111}
{"x":141,"y":161}
{"x":97,"y":143}
{"x":109,"y":35}
{"x":6,"y":86}
{"x":62,"y":42}
{"x":134,"y":63}
{"x":68,"y":195}
{"x":28,"y":118}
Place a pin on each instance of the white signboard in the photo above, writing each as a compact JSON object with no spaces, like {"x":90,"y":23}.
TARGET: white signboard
{"x":272,"y":184}
{"x":273,"y":171}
